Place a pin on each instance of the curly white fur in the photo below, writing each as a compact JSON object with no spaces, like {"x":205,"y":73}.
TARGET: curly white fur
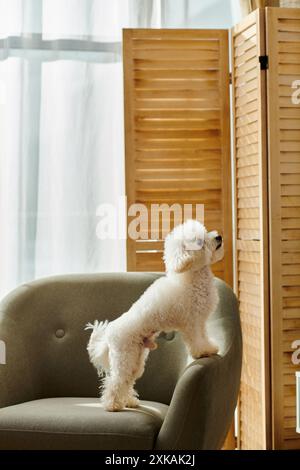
{"x":180,"y":301}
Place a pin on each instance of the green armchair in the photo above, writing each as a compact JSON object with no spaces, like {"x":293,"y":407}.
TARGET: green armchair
{"x":49,"y":390}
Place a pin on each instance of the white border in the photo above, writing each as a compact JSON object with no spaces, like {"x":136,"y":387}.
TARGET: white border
{"x":298,"y":401}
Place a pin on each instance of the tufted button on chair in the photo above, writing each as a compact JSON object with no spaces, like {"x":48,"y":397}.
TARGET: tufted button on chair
{"x":49,"y":390}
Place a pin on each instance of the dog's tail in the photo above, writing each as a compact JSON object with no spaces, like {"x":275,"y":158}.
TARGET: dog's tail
{"x":97,"y":346}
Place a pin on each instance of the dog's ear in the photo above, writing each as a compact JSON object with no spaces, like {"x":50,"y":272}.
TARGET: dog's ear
{"x":176,"y":257}
{"x":183,"y":262}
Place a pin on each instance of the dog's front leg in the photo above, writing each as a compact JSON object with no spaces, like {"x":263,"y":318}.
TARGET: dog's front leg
{"x":197,"y":340}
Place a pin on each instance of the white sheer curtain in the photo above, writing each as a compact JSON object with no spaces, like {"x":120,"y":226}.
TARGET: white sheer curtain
{"x":61,"y":126}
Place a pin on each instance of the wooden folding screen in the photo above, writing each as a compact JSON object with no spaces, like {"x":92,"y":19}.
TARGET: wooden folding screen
{"x":283,"y":48}
{"x":177,"y":131}
{"x":251,"y":235}
{"x":268,"y":235}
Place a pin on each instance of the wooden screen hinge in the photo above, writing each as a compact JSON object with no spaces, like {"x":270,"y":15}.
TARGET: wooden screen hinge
{"x":230,"y":78}
{"x":264,"y":62}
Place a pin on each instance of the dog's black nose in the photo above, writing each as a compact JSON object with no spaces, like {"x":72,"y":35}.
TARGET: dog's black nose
{"x":219,"y":241}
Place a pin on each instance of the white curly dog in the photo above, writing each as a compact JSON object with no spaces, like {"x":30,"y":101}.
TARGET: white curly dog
{"x":180,"y":301}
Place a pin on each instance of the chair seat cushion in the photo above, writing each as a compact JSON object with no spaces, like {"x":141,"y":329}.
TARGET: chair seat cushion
{"x":79,"y":423}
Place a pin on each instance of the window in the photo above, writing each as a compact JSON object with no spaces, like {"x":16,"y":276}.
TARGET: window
{"x":61,"y":126}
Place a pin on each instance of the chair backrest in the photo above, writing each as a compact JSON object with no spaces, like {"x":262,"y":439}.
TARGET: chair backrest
{"x":49,"y":316}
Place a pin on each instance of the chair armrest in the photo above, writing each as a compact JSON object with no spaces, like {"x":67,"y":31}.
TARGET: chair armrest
{"x":17,"y":375}
{"x":202,"y":406}
{"x":205,"y":396}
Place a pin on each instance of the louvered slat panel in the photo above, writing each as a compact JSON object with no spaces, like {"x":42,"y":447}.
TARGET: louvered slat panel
{"x":177,"y":132}
{"x":283,"y":43}
{"x":251,"y":279}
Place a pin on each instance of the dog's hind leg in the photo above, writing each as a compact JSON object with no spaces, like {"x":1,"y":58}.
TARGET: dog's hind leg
{"x":118,"y":385}
{"x":132,"y":399}
{"x":138,"y":372}
{"x":114,"y":393}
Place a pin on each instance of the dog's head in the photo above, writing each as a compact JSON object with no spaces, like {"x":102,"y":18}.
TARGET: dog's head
{"x":190,"y":246}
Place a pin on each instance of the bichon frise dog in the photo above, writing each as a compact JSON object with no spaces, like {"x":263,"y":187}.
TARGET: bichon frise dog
{"x":180,"y":301}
